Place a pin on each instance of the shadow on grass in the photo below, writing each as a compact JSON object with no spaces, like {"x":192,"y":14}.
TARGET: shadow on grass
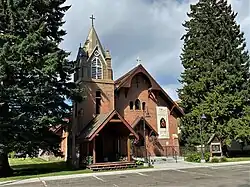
{"x":41,"y":168}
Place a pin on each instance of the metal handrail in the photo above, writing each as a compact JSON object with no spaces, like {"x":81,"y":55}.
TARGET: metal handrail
{"x":175,"y":154}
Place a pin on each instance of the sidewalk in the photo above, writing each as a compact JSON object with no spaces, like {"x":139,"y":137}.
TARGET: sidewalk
{"x":160,"y":167}
{"x":186,"y":165}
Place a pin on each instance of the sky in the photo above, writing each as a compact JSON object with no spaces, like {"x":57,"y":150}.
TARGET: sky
{"x":150,"y":29}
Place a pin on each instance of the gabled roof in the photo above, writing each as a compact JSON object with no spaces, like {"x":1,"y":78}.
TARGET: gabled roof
{"x":212,"y":138}
{"x":141,"y":118}
{"x":99,"y":122}
{"x":125,"y":82}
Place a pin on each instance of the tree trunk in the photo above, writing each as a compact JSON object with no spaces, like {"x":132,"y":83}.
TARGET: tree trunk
{"x":5,"y":169}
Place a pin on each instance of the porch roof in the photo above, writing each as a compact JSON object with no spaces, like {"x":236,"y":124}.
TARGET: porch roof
{"x":99,"y":122}
{"x":140,"y":118}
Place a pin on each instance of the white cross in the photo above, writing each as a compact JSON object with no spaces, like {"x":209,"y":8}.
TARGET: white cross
{"x":138,"y":60}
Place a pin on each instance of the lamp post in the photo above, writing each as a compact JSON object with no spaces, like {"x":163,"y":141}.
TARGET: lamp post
{"x":144,"y":134}
{"x":203,"y":117}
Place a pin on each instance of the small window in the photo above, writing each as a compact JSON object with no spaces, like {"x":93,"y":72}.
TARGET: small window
{"x":143,"y":106}
{"x":98,"y":94}
{"x":137,"y":104}
{"x":98,"y":106}
{"x":98,"y":101}
{"x":131,"y":105}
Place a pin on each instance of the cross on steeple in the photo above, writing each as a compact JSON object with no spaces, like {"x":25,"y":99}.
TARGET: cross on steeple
{"x":92,"y":19}
{"x":138,"y":60}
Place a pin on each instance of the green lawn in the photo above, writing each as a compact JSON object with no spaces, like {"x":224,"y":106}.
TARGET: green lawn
{"x":36,"y":167}
{"x":237,"y":159}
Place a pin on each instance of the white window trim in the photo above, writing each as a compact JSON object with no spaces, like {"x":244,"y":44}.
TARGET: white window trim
{"x":97,"y":66}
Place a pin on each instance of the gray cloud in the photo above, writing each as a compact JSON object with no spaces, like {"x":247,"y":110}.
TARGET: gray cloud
{"x":150,"y":29}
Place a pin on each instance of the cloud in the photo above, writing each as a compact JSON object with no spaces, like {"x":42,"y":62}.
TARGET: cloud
{"x":150,"y":29}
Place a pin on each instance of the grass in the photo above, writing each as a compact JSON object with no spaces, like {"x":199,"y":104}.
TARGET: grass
{"x":36,"y":167}
{"x":238,"y":159}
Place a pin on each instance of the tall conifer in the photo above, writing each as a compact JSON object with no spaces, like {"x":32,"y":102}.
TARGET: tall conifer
{"x":216,"y":74}
{"x":34,"y":75}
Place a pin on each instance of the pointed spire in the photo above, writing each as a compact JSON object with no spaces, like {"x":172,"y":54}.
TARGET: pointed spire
{"x":92,"y":40}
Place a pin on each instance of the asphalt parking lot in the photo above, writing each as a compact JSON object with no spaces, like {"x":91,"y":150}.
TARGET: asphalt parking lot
{"x":226,"y":176}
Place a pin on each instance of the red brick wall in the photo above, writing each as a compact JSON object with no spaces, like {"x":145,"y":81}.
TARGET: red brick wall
{"x":122,"y":106}
{"x":89,"y":104}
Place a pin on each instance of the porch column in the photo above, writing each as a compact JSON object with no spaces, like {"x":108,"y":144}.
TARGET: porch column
{"x":94,"y":153}
{"x":128,"y":147}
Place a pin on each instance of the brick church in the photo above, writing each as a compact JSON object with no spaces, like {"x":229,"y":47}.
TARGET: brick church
{"x":124,"y":118}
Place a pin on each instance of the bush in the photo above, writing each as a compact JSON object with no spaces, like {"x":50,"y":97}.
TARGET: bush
{"x":139,"y":162}
{"x":196,"y":157}
{"x":193,"y":157}
{"x":12,"y":154}
{"x":223,"y":159}
{"x":207,"y":156}
{"x":215,"y":160}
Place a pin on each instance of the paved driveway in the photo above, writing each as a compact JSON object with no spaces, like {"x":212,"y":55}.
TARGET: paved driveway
{"x":225,"y":176}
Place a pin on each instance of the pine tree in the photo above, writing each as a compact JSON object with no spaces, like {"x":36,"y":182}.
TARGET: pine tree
{"x":216,"y":74}
{"x":34,"y":75}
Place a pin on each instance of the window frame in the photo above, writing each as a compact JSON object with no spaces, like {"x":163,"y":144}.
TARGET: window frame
{"x":137,"y":101}
{"x":131,"y":105}
{"x":96,"y":64}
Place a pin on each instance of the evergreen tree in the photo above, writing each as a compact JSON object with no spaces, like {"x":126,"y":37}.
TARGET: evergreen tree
{"x":34,"y":75}
{"x":216,"y":74}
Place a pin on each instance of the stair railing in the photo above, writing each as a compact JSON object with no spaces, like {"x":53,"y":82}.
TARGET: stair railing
{"x":175,"y":154}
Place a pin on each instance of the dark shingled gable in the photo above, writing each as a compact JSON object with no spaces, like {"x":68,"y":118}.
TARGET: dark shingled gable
{"x":95,"y":125}
{"x":140,"y":118}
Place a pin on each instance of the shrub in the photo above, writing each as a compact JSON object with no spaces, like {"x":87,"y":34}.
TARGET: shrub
{"x":207,"y":156}
{"x":12,"y":154}
{"x":196,"y":157}
{"x":193,"y":157}
{"x":215,"y":160}
{"x":223,"y":159}
{"x":139,"y":162}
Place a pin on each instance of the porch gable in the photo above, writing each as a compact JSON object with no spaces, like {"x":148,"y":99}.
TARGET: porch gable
{"x":100,"y":121}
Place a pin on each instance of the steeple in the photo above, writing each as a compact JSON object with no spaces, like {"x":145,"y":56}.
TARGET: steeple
{"x":92,"y":61}
{"x":93,"y":40}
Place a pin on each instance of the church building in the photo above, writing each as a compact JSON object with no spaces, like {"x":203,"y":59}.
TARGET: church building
{"x":121,"y":119}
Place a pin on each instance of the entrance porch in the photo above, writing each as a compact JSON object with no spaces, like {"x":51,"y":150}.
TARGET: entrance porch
{"x":106,"y":139}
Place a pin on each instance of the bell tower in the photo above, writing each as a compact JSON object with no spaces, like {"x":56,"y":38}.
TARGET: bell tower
{"x":95,"y":74}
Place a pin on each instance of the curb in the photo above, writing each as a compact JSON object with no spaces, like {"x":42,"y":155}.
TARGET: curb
{"x":172,"y":167}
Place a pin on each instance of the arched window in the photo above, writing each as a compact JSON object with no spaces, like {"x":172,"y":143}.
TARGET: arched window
{"x":131,"y":105}
{"x":96,"y":68}
{"x":137,"y":104}
{"x":143,"y":106}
